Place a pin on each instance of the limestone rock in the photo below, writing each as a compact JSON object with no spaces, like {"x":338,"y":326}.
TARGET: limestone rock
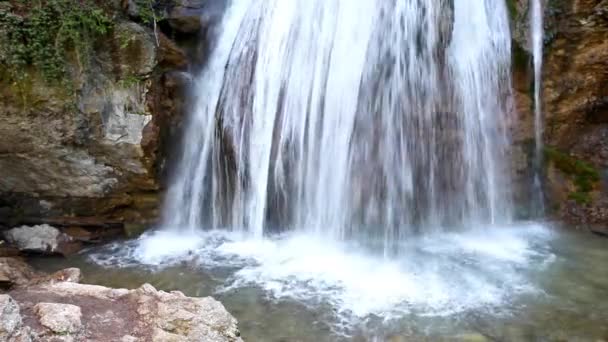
{"x":43,"y":239}
{"x":78,"y":150}
{"x":10,"y":318}
{"x":15,"y":272}
{"x":105,"y":314}
{"x":137,"y":49}
{"x":59,"y":318}
{"x":575,"y":100}
{"x":11,"y":322}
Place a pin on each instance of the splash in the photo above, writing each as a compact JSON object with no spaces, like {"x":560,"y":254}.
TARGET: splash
{"x":436,"y":275}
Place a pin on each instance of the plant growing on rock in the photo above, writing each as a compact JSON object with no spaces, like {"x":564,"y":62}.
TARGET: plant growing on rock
{"x":583,"y":175}
{"x":46,"y":33}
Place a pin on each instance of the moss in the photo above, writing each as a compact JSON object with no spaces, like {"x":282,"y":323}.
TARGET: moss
{"x":580,"y":197}
{"x":512,"y":8}
{"x":583,"y":175}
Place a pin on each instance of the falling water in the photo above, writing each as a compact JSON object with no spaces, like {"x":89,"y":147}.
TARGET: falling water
{"x":537,"y":50}
{"x":366,"y":120}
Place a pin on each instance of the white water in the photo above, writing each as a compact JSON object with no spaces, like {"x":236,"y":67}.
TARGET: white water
{"x":364,"y":120}
{"x":536,"y":22}
{"x":372,"y":132}
{"x":436,"y":275}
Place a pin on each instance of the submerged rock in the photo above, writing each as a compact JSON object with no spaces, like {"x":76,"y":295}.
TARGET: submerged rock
{"x":78,"y":312}
{"x":43,"y":239}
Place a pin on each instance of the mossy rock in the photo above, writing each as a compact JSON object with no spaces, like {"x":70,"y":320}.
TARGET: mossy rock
{"x":137,"y":50}
{"x":583,"y":175}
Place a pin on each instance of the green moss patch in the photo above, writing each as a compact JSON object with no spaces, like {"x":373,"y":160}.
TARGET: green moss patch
{"x":45,"y":34}
{"x":583,"y":175}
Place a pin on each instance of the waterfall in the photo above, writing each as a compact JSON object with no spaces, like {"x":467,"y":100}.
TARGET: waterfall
{"x":357,"y":119}
{"x":536,"y":22}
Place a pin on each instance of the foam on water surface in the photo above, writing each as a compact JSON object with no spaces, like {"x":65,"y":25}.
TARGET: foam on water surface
{"x":433,"y":275}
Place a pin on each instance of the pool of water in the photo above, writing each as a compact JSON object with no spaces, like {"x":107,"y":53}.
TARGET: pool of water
{"x":526,"y":282}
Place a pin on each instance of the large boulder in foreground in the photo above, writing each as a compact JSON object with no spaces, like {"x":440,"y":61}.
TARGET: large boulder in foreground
{"x":67,"y":311}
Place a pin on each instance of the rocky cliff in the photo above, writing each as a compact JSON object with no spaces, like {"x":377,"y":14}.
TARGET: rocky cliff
{"x":575,"y":106}
{"x":95,"y":144}
{"x":91,"y":140}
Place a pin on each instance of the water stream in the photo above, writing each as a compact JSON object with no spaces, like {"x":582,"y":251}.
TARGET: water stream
{"x":537,"y":31}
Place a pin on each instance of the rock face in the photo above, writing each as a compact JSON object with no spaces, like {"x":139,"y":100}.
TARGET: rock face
{"x":96,"y":146}
{"x":575,"y":105}
{"x":66,"y":311}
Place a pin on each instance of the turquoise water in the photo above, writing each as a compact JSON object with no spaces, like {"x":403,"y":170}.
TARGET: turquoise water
{"x":527,"y":283}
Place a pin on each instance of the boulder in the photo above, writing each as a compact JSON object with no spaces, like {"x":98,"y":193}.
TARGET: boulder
{"x":97,"y":313}
{"x":10,"y":319}
{"x":59,"y":318}
{"x":15,"y":272}
{"x":11,"y":322}
{"x":43,"y":239}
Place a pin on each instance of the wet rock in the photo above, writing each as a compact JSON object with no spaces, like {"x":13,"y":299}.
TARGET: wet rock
{"x":599,"y":230}
{"x":170,"y":55}
{"x":575,"y":101}
{"x":192,"y":16}
{"x":43,"y":239}
{"x":15,"y":272}
{"x":186,"y":15}
{"x":71,"y":275}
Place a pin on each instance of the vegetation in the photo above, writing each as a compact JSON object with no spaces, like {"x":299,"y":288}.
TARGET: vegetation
{"x":45,"y":34}
{"x":512,"y":7}
{"x":583,"y":175}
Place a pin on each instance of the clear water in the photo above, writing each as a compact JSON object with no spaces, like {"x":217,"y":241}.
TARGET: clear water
{"x":523,"y":282}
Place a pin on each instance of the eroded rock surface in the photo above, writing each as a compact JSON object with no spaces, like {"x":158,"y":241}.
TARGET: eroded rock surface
{"x":94,"y":144}
{"x":66,"y":311}
{"x":575,"y":106}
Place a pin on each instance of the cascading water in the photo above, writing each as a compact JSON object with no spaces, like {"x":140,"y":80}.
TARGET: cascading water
{"x":537,"y":31}
{"x":341,"y":129}
{"x":349,"y":155}
{"x":365,"y":120}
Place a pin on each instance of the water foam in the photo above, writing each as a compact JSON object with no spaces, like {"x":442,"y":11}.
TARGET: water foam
{"x":434,"y":275}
